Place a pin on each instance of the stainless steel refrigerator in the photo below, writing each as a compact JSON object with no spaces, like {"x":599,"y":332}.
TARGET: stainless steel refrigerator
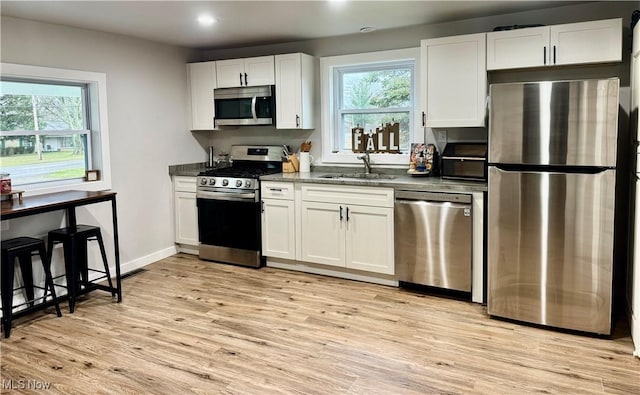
{"x":551,"y":202}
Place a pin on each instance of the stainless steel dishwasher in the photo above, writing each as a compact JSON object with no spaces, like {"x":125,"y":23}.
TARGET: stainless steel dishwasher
{"x":433,"y":239}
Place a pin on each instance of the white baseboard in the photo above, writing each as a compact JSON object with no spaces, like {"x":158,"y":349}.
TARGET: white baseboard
{"x":635,"y":333}
{"x":634,"y":325}
{"x":187,"y":249}
{"x":311,"y":268}
{"x":147,"y":259}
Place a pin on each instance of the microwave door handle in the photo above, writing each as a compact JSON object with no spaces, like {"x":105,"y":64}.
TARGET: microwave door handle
{"x":253,"y":107}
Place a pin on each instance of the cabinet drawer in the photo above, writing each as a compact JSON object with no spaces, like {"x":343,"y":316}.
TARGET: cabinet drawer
{"x":365,"y":196}
{"x":277,"y":190}
{"x":184,"y":184}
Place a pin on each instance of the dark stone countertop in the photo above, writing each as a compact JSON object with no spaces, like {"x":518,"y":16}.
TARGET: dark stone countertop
{"x":191,"y":169}
{"x":399,"y":181}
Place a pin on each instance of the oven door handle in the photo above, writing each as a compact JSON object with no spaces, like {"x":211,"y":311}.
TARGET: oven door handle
{"x":230,"y":196}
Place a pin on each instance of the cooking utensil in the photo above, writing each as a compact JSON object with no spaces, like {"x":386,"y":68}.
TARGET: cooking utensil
{"x":306,"y":146}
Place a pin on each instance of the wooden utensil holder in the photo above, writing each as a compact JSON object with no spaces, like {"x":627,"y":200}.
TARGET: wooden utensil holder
{"x":292,"y":166}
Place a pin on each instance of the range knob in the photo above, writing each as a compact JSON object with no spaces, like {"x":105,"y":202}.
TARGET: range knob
{"x":239,"y":183}
{"x":247,"y":184}
{"x":203,"y":181}
{"x":212,"y":181}
{"x":225,"y":182}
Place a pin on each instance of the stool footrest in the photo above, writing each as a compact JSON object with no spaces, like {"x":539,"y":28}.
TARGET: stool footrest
{"x":74,"y":241}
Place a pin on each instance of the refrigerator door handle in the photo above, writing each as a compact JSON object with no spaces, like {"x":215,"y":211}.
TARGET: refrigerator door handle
{"x":523,"y":168}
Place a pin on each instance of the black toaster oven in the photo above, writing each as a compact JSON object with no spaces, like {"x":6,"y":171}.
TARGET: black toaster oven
{"x":465,"y":161}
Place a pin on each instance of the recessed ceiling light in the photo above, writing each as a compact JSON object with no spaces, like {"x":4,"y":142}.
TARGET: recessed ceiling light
{"x":367,"y":29}
{"x":206,"y":20}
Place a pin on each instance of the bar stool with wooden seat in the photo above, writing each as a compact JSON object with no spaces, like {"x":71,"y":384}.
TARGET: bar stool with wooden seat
{"x":74,"y":240}
{"x":23,"y":248}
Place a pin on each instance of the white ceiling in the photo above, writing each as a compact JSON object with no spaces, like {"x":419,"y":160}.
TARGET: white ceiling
{"x":246,"y":23}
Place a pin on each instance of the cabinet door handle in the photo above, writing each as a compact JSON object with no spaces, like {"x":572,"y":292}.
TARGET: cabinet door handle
{"x":424,"y":119}
{"x":275,"y":189}
{"x":340,"y":213}
{"x":245,"y":80}
{"x":262,"y":206}
{"x":545,"y":55}
{"x":347,"y":213}
{"x":297,"y":121}
{"x":240,"y":79}
{"x":554,"y":54}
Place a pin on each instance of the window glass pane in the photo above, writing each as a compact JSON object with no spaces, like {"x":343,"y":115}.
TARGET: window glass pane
{"x":37,"y":124}
{"x":371,"y":121}
{"x":39,"y":106}
{"x":61,"y":157}
{"x":376,"y":89}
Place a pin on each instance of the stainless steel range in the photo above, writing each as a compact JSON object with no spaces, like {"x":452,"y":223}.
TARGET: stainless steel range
{"x":229,"y":206}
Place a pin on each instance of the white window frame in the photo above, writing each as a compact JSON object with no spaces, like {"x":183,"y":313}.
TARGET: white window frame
{"x":100,"y":158}
{"x":329,"y":122}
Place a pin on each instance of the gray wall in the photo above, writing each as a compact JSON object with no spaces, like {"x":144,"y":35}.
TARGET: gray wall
{"x":147,"y":96}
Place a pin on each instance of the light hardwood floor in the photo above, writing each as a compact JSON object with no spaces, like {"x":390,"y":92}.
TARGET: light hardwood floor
{"x":192,"y":327}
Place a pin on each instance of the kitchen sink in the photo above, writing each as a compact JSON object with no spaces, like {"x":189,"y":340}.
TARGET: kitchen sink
{"x":366,"y":176}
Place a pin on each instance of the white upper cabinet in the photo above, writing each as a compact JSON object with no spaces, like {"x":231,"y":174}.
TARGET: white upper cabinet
{"x":572,"y":43}
{"x":295,"y":74}
{"x":453,"y":81}
{"x":518,"y":48}
{"x":245,"y":72}
{"x":587,"y":42}
{"x":202,"y":82}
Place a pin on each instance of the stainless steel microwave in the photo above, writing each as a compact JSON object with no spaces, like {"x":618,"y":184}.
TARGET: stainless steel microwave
{"x":251,"y":105}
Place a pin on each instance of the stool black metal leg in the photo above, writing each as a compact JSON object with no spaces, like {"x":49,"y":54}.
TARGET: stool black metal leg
{"x":82,"y":265}
{"x":48,"y":279}
{"x":116,"y":246}
{"x":106,"y":264}
{"x":26,"y":269}
{"x":7,"y":291}
{"x":70,"y":257}
{"x":49,"y":258}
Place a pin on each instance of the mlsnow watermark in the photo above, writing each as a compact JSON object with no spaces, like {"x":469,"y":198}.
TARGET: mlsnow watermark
{"x":25,"y":384}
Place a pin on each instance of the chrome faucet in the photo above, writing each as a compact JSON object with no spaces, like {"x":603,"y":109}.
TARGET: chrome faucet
{"x":367,"y":162}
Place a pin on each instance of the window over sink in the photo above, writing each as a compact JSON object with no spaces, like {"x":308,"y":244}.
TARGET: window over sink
{"x":368,"y":90}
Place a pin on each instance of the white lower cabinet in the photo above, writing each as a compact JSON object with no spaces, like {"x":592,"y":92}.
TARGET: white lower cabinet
{"x":369,"y":239}
{"x":278,"y":229}
{"x":348,"y":235}
{"x":186,"y":210}
{"x":278,"y":220}
{"x":323,"y":233}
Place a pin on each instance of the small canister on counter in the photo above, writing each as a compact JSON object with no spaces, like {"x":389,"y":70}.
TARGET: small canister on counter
{"x":5,"y":183}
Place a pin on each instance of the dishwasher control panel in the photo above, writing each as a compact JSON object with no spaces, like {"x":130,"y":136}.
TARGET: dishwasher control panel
{"x":434,"y":196}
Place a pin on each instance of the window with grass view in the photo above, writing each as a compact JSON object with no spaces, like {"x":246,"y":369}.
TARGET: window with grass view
{"x":44,"y":131}
{"x":371,"y":95}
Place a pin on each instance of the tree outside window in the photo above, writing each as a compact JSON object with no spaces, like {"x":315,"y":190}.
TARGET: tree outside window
{"x":370,"y":96}
{"x":43,"y":131}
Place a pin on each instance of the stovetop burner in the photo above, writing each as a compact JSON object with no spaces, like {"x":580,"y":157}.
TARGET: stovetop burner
{"x":249,"y":162}
{"x":242,"y":171}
